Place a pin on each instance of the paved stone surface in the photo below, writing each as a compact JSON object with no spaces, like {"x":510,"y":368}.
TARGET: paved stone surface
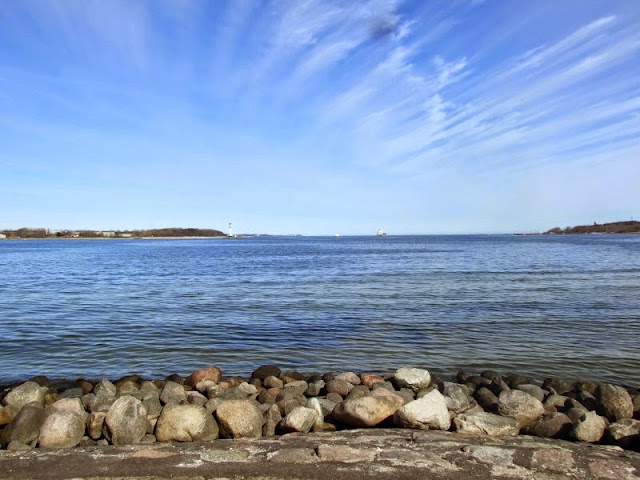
{"x":353,"y":454}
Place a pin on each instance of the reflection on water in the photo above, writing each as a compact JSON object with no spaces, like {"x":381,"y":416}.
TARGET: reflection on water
{"x":553,"y":305}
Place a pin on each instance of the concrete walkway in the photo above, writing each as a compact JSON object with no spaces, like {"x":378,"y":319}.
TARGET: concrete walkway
{"x":353,"y":454}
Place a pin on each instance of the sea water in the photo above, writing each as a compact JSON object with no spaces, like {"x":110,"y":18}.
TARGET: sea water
{"x":560,"y":305}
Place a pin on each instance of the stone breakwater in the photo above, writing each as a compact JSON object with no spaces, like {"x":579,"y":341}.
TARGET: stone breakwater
{"x":208,"y":406}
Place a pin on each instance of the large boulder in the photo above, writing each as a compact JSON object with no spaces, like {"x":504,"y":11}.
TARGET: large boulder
{"x":625,"y":433}
{"x":23,"y":394}
{"x":521,"y":406}
{"x":552,"y":425}
{"x":533,"y":390}
{"x":486,"y":423}
{"x":367,"y":411}
{"x":300,"y":419}
{"x":62,"y":429}
{"x":25,"y":426}
{"x":185,"y":423}
{"x":239,"y":418}
{"x":589,"y":428}
{"x":69,"y":404}
{"x":126,"y":421}
{"x":430,"y":411}
{"x":613,"y":402}
{"x":413,"y":378}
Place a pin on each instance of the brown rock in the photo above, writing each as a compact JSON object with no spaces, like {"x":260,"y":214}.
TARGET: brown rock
{"x":266,"y":371}
{"x":185,"y":423}
{"x":370,"y":379}
{"x":340,"y":387}
{"x":366,"y":411}
{"x":213,"y":374}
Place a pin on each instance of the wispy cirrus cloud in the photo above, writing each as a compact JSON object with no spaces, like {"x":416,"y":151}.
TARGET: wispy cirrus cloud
{"x":375,"y":93}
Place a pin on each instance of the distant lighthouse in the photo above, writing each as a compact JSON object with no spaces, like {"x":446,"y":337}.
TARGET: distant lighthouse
{"x":230,"y":235}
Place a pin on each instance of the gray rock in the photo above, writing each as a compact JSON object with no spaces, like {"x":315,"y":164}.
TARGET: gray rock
{"x":25,"y":426}
{"x":334,"y":397}
{"x":148,"y":438}
{"x":429,"y":412}
{"x":521,"y":406}
{"x":589,"y":428}
{"x":18,"y":446}
{"x":413,"y":378}
{"x":61,"y":429}
{"x":196,"y":398}
{"x":239,"y":418}
{"x":533,"y":390}
{"x":407,"y":395}
{"x":553,"y":425}
{"x":456,"y":396}
{"x":327,"y":406}
{"x":273,"y":382}
{"x":106,"y":388}
{"x":625,"y":433}
{"x":314,"y":388}
{"x":301,"y":419}
{"x":173,"y":393}
{"x":213,"y":404}
{"x":366,"y":411}
{"x":95,"y":423}
{"x":486,"y":399}
{"x":126,"y":421}
{"x":28,"y":392}
{"x":485,"y":423}
{"x":350,"y":377}
{"x":340,"y":387}
{"x":99,"y":403}
{"x":560,"y":402}
{"x":614,"y":402}
{"x":151,"y":402}
{"x":296,"y":387}
{"x":558,"y":384}
{"x":185,"y":423}
{"x":272,"y":418}
{"x":76,"y":392}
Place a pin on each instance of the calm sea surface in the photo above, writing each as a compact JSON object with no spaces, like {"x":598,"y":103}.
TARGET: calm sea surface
{"x":553,"y":305}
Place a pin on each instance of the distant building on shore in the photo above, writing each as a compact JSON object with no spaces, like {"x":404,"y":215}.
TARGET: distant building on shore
{"x":2,"y":236}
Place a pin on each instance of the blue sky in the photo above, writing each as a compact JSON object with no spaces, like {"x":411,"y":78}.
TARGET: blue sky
{"x":318,"y":117}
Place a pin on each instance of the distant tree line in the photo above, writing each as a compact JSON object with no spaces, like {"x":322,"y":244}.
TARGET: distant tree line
{"x":630,"y":226}
{"x":157,"y":232}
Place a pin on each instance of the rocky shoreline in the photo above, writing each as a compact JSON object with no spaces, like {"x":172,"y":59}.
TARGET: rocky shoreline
{"x":206,"y":406}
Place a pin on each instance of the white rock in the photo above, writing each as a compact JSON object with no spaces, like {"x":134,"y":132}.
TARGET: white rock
{"x":413,"y":378}
{"x":427,"y":412}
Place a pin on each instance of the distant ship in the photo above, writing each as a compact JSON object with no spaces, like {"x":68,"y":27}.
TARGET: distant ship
{"x":337,"y":235}
{"x":381,"y":233}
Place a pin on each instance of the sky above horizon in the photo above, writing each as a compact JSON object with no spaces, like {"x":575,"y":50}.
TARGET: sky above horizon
{"x":317,"y":117}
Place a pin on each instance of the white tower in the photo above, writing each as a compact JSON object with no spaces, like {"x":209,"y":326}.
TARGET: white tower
{"x":230,"y":230}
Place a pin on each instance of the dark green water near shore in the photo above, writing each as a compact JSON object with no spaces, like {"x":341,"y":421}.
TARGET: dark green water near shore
{"x":542,"y":305}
